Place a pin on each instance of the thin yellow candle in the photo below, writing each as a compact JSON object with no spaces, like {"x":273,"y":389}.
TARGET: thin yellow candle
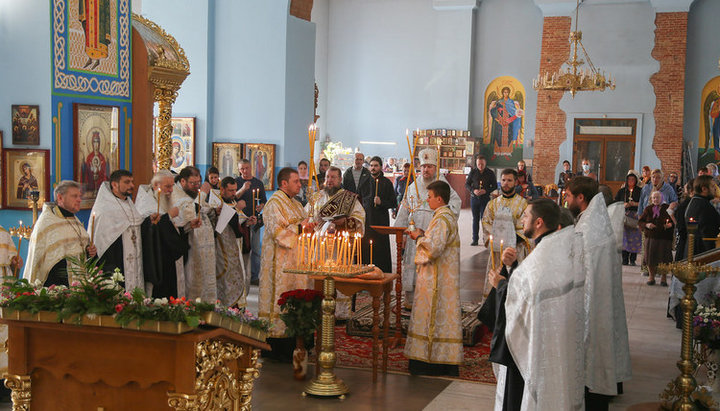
{"x":158,"y":198}
{"x":298,"y":252}
{"x":92,"y":231}
{"x":492,"y":253}
{"x":371,"y":252}
{"x":352,"y":253}
{"x":501,"y":249}
{"x":412,"y":162}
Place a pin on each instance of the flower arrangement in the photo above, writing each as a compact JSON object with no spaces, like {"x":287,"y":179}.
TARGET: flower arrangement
{"x":300,"y":311}
{"x":94,"y":293}
{"x":706,"y":323}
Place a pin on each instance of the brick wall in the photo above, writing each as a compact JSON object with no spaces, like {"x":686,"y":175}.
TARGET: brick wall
{"x":301,"y":9}
{"x":550,"y":119}
{"x":669,"y":83}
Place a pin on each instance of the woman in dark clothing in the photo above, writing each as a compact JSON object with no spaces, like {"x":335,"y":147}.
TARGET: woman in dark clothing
{"x":632,"y":238}
{"x":703,"y":214}
{"x":658,"y":228}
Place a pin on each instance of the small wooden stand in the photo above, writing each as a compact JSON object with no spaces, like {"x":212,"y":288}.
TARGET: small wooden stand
{"x":399,"y":233}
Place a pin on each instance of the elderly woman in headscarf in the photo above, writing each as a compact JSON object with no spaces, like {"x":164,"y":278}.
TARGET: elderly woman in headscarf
{"x":659,"y":228}
{"x":632,"y":238}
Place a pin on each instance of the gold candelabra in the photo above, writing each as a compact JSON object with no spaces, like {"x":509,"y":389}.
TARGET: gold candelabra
{"x":574,"y":79}
{"x":22,"y":231}
{"x":689,"y":273}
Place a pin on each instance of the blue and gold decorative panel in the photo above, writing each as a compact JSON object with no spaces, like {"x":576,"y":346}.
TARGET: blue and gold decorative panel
{"x":91,"y":48}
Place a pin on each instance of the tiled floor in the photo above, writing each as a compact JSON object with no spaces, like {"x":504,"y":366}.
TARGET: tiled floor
{"x":654,"y":348}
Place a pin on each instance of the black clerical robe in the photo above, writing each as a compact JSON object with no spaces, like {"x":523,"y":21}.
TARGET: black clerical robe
{"x":162,"y":246}
{"x":377,"y":215}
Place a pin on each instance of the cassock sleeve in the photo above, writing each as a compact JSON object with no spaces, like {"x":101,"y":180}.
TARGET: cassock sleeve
{"x":499,"y":352}
{"x":284,"y":233}
{"x":487,"y":221}
{"x":387,"y":197}
{"x":433,"y":243}
{"x":151,"y":252}
{"x":455,"y":202}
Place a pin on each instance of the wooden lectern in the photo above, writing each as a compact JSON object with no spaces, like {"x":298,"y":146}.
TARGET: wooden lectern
{"x":399,"y":233}
{"x":66,"y":367}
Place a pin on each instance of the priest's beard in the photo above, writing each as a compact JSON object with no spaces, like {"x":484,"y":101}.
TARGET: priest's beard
{"x":508,"y":193}
{"x":574,"y":209}
{"x":192,"y":193}
{"x":428,"y":180}
{"x":165,"y":202}
{"x":331,"y":191}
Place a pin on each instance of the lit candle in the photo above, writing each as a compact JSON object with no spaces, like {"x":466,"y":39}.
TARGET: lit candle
{"x":158,"y":199}
{"x":371,"y":252}
{"x":501,"y":248}
{"x":92,"y":231}
{"x":352,"y":253}
{"x":298,"y":252}
{"x":253,"y":203}
{"x":376,"y":190}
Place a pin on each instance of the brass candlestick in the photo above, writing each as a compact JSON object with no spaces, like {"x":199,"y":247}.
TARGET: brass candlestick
{"x":34,"y":197}
{"x":689,"y":273}
{"x":326,"y":383}
{"x":22,"y":231}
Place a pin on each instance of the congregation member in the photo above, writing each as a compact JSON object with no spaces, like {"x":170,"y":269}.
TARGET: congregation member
{"x":10,"y":261}
{"x":212,"y":177}
{"x":703,"y":214}
{"x":357,"y":176}
{"x":285,"y":220}
{"x":391,"y":166}
{"x":681,"y":223}
{"x":57,"y":235}
{"x":607,"y":352}
{"x":645,"y":176}
{"x":247,"y":184}
{"x":333,"y":203}
{"x":200,"y":279}
{"x":533,"y":315}
{"x":629,"y":194}
{"x":586,"y":169}
{"x":417,"y":195}
{"x":323,"y":166}
{"x":675,"y":183}
{"x":400,"y":184}
{"x":525,"y":186}
{"x":115,"y":224}
{"x":169,"y":244}
{"x":230,"y":272}
{"x":302,"y":169}
{"x":657,"y":184}
{"x":480,"y":182}
{"x":434,"y":339}
{"x":658,"y":228}
{"x":503,"y":221}
{"x":378,"y":198}
{"x":565,"y":175}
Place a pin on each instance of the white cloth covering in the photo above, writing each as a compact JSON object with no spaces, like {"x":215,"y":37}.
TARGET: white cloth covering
{"x":545,"y":323}
{"x":607,"y":350}
{"x":616,"y":211}
{"x":115,"y":218}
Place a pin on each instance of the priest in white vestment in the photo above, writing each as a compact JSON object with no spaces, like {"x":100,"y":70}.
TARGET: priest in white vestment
{"x":543,"y":319}
{"x":200,"y":280}
{"x":434,"y":338}
{"x":9,"y":262}
{"x":416,"y":197}
{"x":154,"y":203}
{"x":284,"y":219}
{"x":607,"y":351}
{"x":57,"y":234}
{"x":115,"y":230}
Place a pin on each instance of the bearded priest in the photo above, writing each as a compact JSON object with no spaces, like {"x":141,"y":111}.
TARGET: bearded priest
{"x":168,"y":243}
{"x":115,"y":223}
{"x":422,"y":215}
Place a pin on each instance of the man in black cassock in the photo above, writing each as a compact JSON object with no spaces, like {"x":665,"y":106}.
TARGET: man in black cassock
{"x":377,"y":198}
{"x":166,"y":243}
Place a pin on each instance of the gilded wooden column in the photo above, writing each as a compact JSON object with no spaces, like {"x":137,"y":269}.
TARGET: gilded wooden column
{"x":165,"y":98}
{"x":21,"y":394}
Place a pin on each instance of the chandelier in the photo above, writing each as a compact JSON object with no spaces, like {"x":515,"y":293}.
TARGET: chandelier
{"x":573,"y":78}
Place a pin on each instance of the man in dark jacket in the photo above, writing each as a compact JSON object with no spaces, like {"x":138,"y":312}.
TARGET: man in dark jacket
{"x":480,"y":182}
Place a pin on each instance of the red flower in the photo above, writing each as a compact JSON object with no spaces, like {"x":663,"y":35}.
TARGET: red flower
{"x":119,"y":308}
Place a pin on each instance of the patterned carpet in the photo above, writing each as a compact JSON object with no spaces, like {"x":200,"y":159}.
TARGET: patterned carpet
{"x":356,"y":352}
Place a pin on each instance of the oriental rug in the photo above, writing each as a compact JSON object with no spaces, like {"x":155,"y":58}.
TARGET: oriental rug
{"x":356,"y":352}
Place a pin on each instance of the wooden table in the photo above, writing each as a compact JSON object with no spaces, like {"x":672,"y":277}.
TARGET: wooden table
{"x":399,"y":233}
{"x":376,"y":288}
{"x":69,"y":367}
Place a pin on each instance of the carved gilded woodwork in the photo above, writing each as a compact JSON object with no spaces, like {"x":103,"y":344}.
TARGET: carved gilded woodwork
{"x":21,"y":394}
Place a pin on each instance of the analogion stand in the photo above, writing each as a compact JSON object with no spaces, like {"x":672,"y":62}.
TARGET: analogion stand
{"x":399,"y":233}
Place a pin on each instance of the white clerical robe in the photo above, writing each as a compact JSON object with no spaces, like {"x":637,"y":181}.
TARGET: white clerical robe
{"x":282,"y":215}
{"x":115,"y":218}
{"x":607,"y":351}
{"x":147,"y":204}
{"x":435,"y":330}
{"x":200,"y":281}
{"x":616,"y":211}
{"x":54,"y":238}
{"x":422,"y":216}
{"x":545,"y":323}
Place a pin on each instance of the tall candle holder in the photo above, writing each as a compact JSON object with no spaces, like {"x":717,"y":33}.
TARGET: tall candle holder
{"x":689,"y":272}
{"x":21,"y":231}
